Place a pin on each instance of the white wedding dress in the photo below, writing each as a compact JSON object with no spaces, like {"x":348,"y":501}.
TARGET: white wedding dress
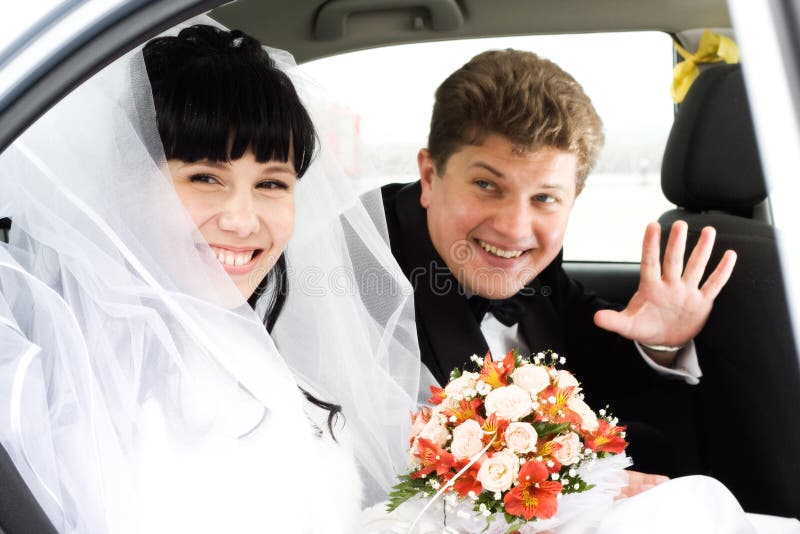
{"x":142,"y":394}
{"x":688,"y":505}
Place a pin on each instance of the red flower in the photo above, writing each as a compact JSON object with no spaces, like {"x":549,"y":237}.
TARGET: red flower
{"x":464,"y":409}
{"x":510,"y":362}
{"x":556,"y":412}
{"x":534,"y":496}
{"x":438,"y":395}
{"x":468,"y":481}
{"x":494,"y":429}
{"x":433,"y":457}
{"x":496,"y":373}
{"x":606,"y":438}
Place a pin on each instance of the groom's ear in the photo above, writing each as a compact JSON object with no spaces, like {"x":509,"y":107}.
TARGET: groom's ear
{"x":427,"y":174}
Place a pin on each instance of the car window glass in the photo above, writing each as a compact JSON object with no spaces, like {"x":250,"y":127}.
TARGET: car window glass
{"x":386,"y":96}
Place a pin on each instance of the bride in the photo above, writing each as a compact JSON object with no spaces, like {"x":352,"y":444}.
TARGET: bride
{"x":139,"y":390}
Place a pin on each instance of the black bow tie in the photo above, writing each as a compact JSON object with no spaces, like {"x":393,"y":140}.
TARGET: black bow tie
{"x":508,"y":311}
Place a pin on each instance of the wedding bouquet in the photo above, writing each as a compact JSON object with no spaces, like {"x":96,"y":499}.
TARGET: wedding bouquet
{"x":507,"y":441}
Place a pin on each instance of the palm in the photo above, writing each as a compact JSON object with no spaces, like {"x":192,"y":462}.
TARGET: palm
{"x":670,"y":307}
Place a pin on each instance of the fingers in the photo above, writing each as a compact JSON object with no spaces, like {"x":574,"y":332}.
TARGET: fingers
{"x":717,"y":280}
{"x":673,"y":254}
{"x":696,"y":265}
{"x":651,"y":245}
{"x":612,"y":321}
{"x":640,"y":482}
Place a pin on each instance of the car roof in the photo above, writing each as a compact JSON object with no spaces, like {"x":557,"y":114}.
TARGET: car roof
{"x":306,"y":27}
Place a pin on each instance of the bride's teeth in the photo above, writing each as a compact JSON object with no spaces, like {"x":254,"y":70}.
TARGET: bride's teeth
{"x":243,"y":258}
{"x":228,"y":257}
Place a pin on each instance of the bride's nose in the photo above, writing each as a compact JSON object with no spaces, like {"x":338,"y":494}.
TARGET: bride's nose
{"x":238,"y":215}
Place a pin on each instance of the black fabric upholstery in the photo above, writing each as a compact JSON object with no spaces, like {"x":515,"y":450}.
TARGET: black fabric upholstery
{"x":19,"y":511}
{"x":749,"y":434}
{"x":711,"y":160}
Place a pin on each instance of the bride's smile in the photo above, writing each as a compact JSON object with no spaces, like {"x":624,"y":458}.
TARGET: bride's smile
{"x":236,"y":260}
{"x":244,"y":208}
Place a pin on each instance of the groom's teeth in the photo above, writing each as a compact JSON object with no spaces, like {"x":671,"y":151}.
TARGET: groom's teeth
{"x":500,"y":252}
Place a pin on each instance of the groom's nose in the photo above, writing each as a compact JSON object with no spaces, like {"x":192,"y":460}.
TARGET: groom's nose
{"x":514,"y":219}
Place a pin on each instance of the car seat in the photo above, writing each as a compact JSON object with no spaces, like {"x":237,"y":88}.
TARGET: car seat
{"x":749,"y":394}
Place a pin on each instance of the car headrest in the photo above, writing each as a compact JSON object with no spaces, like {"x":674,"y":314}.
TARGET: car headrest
{"x":711,"y":160}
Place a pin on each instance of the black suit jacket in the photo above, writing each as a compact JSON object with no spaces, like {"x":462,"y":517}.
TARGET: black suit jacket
{"x":559,"y":316}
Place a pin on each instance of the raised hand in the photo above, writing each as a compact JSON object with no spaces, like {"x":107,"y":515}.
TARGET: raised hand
{"x":669,"y":307}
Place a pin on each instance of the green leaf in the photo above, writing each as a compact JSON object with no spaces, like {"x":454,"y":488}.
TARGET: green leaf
{"x":489,"y":520}
{"x":455,"y":373}
{"x":405,"y":489}
{"x":549,"y":429}
{"x":582,"y":486}
{"x":513,"y":526}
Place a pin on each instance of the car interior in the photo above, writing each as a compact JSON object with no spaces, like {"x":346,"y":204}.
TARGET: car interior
{"x":710,"y":171}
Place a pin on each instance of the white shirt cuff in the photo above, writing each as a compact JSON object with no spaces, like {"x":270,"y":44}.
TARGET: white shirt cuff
{"x":686,"y":365}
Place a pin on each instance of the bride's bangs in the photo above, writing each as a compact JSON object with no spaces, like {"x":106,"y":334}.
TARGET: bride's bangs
{"x":216,"y":106}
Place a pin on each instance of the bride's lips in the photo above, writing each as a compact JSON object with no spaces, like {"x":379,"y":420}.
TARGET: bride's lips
{"x":236,"y":260}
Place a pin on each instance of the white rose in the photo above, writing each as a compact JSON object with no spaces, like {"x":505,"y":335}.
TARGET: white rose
{"x":462,"y":385}
{"x":566,"y":379}
{"x":588,"y":418}
{"x":509,"y":402}
{"x":521,"y":437}
{"x":417,"y":424}
{"x":499,"y":472}
{"x":413,"y":460}
{"x":467,"y":439}
{"x":531,"y":378}
{"x":570,"y":449}
{"x":435,"y":431}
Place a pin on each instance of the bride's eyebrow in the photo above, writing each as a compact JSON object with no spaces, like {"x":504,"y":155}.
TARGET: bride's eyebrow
{"x":209,"y":163}
{"x":279,"y":167}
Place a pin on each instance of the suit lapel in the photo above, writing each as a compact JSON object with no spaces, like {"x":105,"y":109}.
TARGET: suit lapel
{"x":540,"y":326}
{"x":449,"y":332}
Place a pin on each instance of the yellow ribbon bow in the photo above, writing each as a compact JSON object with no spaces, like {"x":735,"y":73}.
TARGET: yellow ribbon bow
{"x":712,"y":48}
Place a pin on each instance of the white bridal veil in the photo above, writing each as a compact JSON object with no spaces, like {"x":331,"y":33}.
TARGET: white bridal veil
{"x":138,"y":392}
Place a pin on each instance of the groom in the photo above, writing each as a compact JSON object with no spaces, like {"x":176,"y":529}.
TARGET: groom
{"x":512,"y":139}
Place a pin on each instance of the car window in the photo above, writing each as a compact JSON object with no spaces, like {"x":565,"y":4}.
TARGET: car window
{"x":387,"y":96}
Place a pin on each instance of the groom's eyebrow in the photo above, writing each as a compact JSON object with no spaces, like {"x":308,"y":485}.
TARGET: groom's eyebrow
{"x":486,"y":166}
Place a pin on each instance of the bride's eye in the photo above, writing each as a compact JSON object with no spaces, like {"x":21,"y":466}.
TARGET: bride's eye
{"x":203,"y":179}
{"x":272,"y":184}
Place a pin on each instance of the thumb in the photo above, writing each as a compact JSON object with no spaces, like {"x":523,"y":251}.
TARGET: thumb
{"x":611,"y":320}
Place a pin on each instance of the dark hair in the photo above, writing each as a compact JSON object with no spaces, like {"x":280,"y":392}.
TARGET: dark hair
{"x":218,"y":94}
{"x":525,"y":98}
